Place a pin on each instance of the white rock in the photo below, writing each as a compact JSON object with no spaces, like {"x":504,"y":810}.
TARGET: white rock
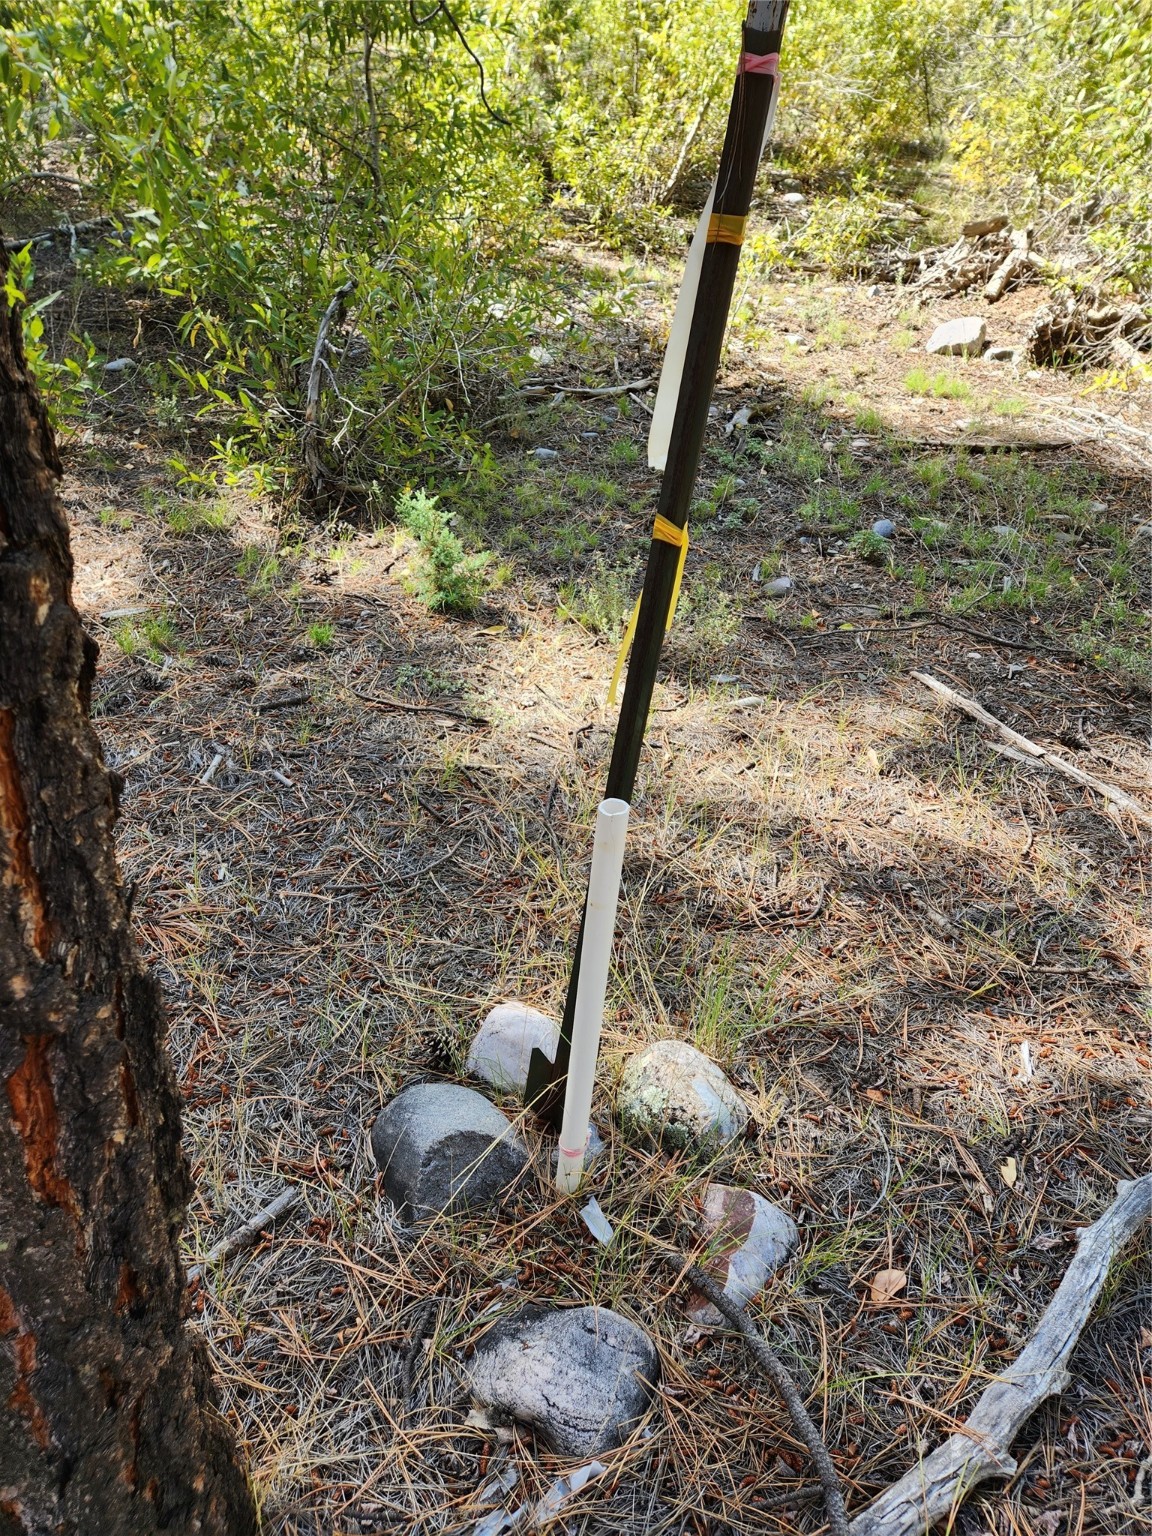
{"x":1002,"y":354}
{"x":502,"y":1050}
{"x":671,"y":1092}
{"x":958,"y":338}
{"x":749,"y":1239}
{"x":793,"y":199}
{"x":779,"y":586}
{"x":581,"y":1377}
{"x":545,"y":455}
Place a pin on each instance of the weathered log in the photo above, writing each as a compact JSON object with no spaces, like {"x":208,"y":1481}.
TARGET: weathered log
{"x":981,"y":1448}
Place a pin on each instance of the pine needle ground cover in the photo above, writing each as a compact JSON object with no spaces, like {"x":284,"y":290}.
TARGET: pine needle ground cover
{"x":918,"y":959}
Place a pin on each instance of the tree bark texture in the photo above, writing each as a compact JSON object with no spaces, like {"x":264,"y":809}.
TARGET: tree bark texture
{"x":108,"y":1424}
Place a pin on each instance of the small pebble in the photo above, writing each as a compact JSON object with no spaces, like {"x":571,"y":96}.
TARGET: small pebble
{"x":545,"y":455}
{"x":779,"y":586}
{"x":1002,"y":531}
{"x":884,"y":528}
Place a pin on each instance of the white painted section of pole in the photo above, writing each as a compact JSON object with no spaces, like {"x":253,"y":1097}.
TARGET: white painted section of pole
{"x":591,"y":986}
{"x":668,"y":389}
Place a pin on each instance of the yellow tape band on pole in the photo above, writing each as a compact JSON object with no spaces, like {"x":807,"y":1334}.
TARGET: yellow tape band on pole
{"x":667,"y":533}
{"x":726,"y":229}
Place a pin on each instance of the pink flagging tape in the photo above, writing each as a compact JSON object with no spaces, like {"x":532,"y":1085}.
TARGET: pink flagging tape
{"x":574,"y":1151}
{"x":759,"y":63}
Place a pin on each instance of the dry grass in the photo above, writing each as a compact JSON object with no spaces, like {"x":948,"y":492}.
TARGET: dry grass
{"x":835,"y":889}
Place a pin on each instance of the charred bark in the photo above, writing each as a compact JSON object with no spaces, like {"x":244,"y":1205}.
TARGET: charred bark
{"x":108,"y":1422}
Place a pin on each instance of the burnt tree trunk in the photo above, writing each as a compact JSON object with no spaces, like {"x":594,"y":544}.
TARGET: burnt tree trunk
{"x":108,"y":1423}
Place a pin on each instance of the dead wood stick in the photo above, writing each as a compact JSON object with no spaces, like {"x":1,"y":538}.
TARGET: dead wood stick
{"x":777,"y":1373}
{"x":981,"y":1448}
{"x":248,"y":1233}
{"x":381,"y":701}
{"x":1117,"y":797}
{"x":603,"y":389}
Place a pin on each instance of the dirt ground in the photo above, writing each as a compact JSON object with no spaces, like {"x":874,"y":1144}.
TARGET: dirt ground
{"x":351,"y":826}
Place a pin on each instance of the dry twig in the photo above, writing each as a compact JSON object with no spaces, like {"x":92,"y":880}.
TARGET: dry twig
{"x":1029,"y":750}
{"x":980,"y":1448}
{"x":286,"y":1201}
{"x":777,"y":1373}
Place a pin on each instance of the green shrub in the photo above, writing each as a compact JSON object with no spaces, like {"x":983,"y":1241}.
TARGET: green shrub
{"x":446,"y":577}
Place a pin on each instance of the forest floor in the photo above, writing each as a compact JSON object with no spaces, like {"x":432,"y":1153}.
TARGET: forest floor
{"x":351,"y":826}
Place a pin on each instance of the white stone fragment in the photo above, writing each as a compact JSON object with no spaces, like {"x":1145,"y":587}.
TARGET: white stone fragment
{"x":958,"y":338}
{"x":501,"y":1052}
{"x":749,"y":1238}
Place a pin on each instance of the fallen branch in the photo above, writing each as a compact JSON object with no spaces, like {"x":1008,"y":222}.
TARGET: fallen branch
{"x":777,"y":1373}
{"x":246,"y":1235}
{"x":381,"y":701}
{"x":980,"y":1449}
{"x":46,"y":236}
{"x":589,"y":392}
{"x":1117,"y":797}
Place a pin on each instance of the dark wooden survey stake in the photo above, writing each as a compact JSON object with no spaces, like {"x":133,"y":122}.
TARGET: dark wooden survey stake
{"x":752,"y":100}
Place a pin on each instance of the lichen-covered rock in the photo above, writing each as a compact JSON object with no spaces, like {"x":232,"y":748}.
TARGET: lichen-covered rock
{"x":582,"y":1377}
{"x":748,"y":1240}
{"x":442,"y":1147}
{"x":502,"y":1050}
{"x":671,"y":1093}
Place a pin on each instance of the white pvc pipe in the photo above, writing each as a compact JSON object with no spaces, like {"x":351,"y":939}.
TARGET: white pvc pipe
{"x":591,"y":985}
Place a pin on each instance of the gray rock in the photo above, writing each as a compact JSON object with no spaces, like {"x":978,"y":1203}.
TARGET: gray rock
{"x":884,"y":528}
{"x":504,"y":1043}
{"x":443,"y":1147}
{"x":1003,"y":531}
{"x":749,"y":1238}
{"x":545,"y":455}
{"x":1002,"y":354}
{"x":779,"y":586}
{"x":581,"y":1378}
{"x":1142,"y":534}
{"x":671,"y":1092}
{"x":958,"y":338}
{"x":793,"y":199}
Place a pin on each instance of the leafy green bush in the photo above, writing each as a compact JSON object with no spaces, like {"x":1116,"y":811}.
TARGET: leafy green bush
{"x":258,"y":153}
{"x":446,"y":578}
